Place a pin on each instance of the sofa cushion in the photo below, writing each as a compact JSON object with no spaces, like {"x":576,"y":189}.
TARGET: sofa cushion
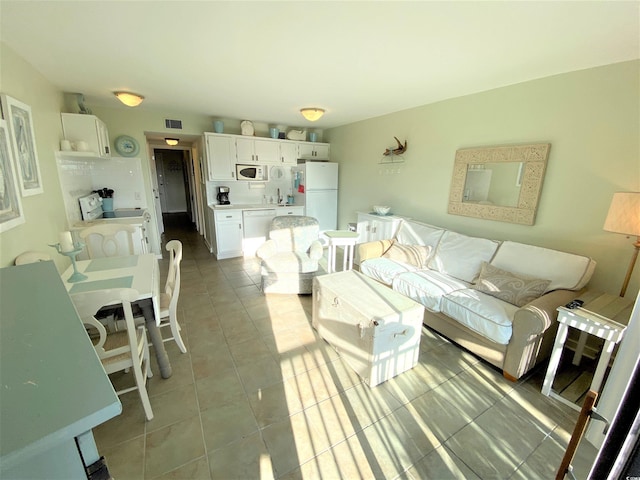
{"x":486,"y":315}
{"x":416,"y":255}
{"x":510,"y":287}
{"x":416,"y":233}
{"x":461,"y":256}
{"x":293,"y":262}
{"x":426,"y":287}
{"x":384,"y":269}
{"x":565,"y":270}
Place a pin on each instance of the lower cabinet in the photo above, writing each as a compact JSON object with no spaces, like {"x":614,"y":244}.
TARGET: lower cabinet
{"x":227,"y":237}
{"x":290,"y":211}
{"x":376,"y":227}
{"x":228,"y":234}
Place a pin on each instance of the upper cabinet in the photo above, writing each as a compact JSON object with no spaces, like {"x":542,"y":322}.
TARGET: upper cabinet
{"x":251,"y":149}
{"x":312,"y":150}
{"x":225,"y":150}
{"x":88,"y":133}
{"x":289,"y":153}
{"x":221,"y":156}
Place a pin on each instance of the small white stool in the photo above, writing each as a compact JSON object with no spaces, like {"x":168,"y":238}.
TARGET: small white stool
{"x":342,"y":238}
{"x":587,"y":322}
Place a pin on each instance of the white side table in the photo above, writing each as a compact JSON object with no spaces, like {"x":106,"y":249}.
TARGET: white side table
{"x":343,"y":238}
{"x":589,"y":323}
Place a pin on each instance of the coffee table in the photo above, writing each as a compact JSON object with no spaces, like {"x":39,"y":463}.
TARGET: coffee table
{"x":376,"y":330}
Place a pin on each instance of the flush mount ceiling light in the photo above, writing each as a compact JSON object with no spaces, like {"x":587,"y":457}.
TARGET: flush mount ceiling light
{"x":171,"y":141}
{"x":129,"y":99}
{"x":312,"y":114}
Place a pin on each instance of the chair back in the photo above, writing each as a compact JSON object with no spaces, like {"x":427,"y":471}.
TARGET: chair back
{"x":88,"y":303}
{"x":294,"y":233}
{"x":172,"y":285}
{"x":32,"y":257}
{"x":118,"y":350}
{"x":108,"y":240}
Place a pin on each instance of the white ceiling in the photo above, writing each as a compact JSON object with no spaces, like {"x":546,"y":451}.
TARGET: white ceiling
{"x":265,"y":60}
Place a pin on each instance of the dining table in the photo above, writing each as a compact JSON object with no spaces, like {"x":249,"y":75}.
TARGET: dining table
{"x":140,"y":272}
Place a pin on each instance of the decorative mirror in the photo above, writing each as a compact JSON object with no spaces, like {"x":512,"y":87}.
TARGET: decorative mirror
{"x":499,"y":183}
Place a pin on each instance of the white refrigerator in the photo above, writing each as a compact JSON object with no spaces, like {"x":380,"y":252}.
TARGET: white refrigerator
{"x":315,"y":186}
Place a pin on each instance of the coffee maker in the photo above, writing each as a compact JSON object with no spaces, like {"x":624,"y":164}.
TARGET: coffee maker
{"x":223,"y":196}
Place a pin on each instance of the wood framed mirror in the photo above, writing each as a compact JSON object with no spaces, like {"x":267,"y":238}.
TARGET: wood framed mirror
{"x":500,"y":183}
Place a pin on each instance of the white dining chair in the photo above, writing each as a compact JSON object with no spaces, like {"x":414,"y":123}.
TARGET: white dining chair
{"x":108,"y":239}
{"x":123,"y":350}
{"x":31,"y":257}
{"x":169,"y":298}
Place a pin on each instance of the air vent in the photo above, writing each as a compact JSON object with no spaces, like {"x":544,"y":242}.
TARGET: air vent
{"x":173,"y":124}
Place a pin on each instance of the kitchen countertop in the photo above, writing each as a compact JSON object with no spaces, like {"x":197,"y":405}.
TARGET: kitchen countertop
{"x":136,"y":221}
{"x":248,"y":206}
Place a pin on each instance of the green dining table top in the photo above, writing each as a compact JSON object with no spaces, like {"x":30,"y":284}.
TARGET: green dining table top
{"x":53,"y":386}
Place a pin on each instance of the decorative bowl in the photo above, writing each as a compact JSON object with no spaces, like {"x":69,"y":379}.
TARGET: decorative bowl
{"x":381,"y":209}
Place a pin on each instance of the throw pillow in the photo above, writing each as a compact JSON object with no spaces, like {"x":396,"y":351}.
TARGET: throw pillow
{"x":416,"y":255}
{"x":510,"y":287}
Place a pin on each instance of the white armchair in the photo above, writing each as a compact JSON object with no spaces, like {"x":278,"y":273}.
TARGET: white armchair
{"x":290,"y":256}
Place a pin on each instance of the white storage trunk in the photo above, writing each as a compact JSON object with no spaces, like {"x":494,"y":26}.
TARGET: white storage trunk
{"x":376,"y":330}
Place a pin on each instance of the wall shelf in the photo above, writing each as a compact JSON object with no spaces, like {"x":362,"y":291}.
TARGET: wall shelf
{"x":391,"y":160}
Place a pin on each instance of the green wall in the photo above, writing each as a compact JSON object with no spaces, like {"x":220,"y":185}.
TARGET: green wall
{"x":591,"y":119}
{"x":44,"y":214}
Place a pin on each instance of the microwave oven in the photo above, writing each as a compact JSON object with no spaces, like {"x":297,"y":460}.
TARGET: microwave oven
{"x":254,"y":173}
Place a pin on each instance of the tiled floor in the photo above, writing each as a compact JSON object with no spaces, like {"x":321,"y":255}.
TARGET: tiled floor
{"x":258,"y":395}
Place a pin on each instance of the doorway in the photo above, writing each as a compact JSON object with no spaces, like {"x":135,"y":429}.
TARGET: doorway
{"x":173,"y":184}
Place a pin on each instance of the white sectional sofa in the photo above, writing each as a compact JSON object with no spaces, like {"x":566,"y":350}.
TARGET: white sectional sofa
{"x":496,"y":299}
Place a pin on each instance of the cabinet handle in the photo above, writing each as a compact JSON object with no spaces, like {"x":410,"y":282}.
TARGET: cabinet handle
{"x":240,"y":226}
{"x":229,"y":216}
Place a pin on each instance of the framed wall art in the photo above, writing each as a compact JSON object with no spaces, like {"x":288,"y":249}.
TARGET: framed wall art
{"x":23,"y":144}
{"x":11,"y":213}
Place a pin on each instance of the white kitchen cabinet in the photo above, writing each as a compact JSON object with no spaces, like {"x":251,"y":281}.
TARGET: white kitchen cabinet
{"x":263,"y":150}
{"x":292,"y":210}
{"x":289,"y":153}
{"x":313,"y":150}
{"x":376,"y":227}
{"x":78,"y":127}
{"x":228,"y":233}
{"x":221,"y":156}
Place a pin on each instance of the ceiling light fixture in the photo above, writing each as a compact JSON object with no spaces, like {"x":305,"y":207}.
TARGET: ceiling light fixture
{"x":171,"y":141}
{"x":312,"y":114}
{"x":129,"y":99}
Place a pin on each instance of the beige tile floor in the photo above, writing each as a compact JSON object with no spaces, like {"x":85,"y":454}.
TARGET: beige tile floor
{"x":258,"y":395}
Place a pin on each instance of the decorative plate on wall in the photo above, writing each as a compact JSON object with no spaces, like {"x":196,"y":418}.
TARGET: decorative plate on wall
{"x":126,"y":146}
{"x":277,"y":173}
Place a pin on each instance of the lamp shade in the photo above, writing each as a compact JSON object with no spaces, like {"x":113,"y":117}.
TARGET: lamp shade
{"x":624,"y":214}
{"x":171,"y":141}
{"x":129,"y":99}
{"x":312,"y":114}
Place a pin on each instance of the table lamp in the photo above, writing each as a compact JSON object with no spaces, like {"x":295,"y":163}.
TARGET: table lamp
{"x":624,"y":217}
